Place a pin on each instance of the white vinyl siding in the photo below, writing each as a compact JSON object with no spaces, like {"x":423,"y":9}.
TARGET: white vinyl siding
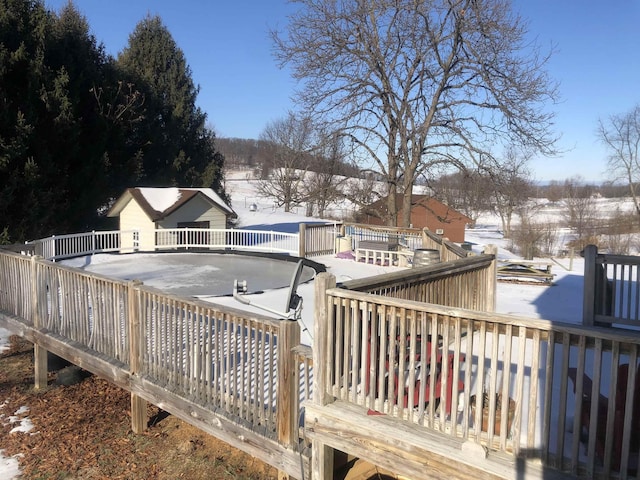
{"x":195,"y":210}
{"x":132,"y":217}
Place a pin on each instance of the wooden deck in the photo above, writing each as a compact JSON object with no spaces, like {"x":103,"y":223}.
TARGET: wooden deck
{"x":232,"y":374}
{"x":411,"y":450}
{"x":397,"y":363}
{"x":376,"y":372}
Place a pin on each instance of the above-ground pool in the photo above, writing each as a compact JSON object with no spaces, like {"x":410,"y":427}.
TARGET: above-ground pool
{"x":196,"y":274}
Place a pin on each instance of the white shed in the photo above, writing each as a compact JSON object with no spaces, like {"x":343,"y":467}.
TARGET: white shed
{"x":148,"y":209}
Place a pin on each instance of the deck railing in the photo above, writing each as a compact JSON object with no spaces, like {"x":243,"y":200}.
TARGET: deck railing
{"x":410,"y":238}
{"x":310,"y":240}
{"x":234,"y":239}
{"x":468,"y":282}
{"x":226,"y":360}
{"x":241,"y":365}
{"x":58,"y":247}
{"x":318,"y":238}
{"x":80,"y":307}
{"x":572,"y":393}
{"x":16,"y":285}
{"x":448,"y":250}
{"x":611,"y":289}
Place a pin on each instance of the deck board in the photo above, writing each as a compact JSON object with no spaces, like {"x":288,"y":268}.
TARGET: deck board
{"x":410,"y":450}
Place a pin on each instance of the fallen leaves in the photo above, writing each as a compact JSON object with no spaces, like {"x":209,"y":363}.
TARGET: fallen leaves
{"x":84,"y":432}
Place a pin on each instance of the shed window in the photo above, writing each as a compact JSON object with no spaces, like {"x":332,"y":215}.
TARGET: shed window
{"x":203,"y":224}
{"x":193,"y":238}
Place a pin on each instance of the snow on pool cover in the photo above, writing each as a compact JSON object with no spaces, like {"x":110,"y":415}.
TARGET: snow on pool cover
{"x":195,"y":274}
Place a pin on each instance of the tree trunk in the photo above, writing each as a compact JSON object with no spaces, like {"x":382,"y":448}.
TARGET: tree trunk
{"x":392,"y":209}
{"x":406,"y":207}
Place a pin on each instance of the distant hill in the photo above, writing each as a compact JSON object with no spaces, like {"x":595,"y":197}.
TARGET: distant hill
{"x":242,"y":153}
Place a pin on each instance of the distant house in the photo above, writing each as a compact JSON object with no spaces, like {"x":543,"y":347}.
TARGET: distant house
{"x":148,"y":210}
{"x":426,"y":212}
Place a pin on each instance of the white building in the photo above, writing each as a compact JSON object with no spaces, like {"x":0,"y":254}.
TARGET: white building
{"x":148,"y":210}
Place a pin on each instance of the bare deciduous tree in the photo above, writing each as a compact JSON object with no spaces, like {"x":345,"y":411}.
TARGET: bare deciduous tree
{"x":554,"y":191}
{"x":526,"y":239}
{"x":324,"y":181}
{"x":581,"y":208}
{"x":512,"y":186}
{"x":469,"y":192}
{"x":621,"y":135}
{"x":420,"y":84}
{"x":362,"y":192}
{"x":292,"y":138}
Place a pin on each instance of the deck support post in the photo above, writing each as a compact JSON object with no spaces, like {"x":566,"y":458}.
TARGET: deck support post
{"x":288,"y":392}
{"x":590,"y":253}
{"x":39,"y":353}
{"x":302,"y":240}
{"x":41,"y":367}
{"x":426,"y":241}
{"x":321,"y":454}
{"x":136,"y":346}
{"x":492,"y":279}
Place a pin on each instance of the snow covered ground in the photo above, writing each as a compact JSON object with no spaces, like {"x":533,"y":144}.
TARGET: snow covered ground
{"x":561,"y":302}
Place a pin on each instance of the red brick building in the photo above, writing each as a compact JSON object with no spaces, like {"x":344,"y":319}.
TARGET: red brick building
{"x":426,"y":212}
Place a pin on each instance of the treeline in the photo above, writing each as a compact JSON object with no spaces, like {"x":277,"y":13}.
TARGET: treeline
{"x":78,"y":126}
{"x":261,"y":157}
{"x":242,"y":153}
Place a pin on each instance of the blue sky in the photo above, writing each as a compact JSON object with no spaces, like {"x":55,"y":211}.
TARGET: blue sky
{"x":227,"y":47}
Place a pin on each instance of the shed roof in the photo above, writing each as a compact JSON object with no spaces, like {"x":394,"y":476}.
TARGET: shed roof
{"x":159,"y":202}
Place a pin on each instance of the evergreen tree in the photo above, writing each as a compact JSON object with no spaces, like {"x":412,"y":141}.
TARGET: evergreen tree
{"x":77,"y":127}
{"x":79,"y":141}
{"x":67,"y":142}
{"x":181,"y":150}
{"x":30,"y":104}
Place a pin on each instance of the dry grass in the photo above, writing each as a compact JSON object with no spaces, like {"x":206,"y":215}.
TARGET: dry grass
{"x":83,"y":432}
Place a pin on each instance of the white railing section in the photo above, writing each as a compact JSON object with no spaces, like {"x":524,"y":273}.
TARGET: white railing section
{"x":254,"y":240}
{"x":401,"y":258}
{"x":58,"y":247}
